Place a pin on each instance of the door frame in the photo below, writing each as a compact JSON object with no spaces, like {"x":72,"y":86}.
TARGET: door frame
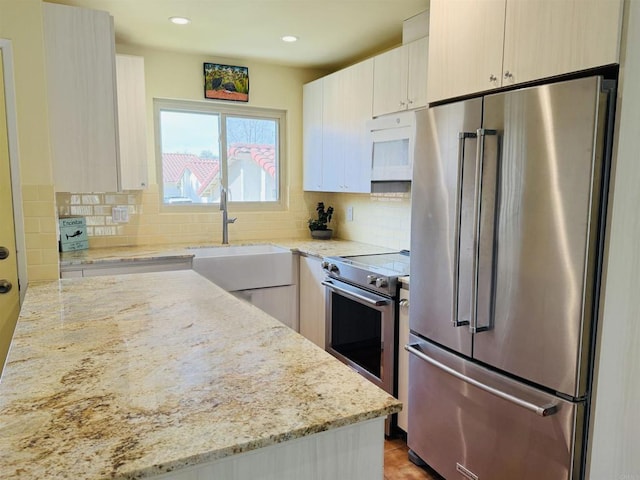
{"x":14,"y":163}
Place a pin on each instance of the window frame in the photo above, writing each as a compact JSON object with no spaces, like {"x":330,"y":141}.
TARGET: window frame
{"x":195,"y":106}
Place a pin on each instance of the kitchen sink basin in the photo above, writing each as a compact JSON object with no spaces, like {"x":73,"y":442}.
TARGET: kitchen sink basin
{"x":243,"y":267}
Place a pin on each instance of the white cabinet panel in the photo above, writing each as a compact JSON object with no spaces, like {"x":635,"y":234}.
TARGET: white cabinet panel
{"x":390,"y":81}
{"x":80,"y":81}
{"x":312,"y":135}
{"x":465,"y":47}
{"x":337,"y":155}
{"x":547,"y":38}
{"x":400,"y":78}
{"x":132,"y":121}
{"x":279,"y":302}
{"x":312,"y":300}
{"x":403,"y":360}
{"x":357,"y":104}
{"x":125,"y":267}
{"x":476,"y":46}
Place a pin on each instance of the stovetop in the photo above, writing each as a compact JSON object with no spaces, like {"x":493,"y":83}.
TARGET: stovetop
{"x":378,"y":273}
{"x":388,"y":264}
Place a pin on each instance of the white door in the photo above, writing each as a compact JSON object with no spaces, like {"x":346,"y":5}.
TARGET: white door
{"x":9,"y":293}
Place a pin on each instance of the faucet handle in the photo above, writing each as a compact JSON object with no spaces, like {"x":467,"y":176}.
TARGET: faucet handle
{"x":232,"y":220}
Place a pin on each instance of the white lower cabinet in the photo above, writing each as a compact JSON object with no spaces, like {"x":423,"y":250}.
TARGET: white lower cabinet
{"x":279,"y":302}
{"x":124,"y":267}
{"x":403,"y":359}
{"x":312,"y":302}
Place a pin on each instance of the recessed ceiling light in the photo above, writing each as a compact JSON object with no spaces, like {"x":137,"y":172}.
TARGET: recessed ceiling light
{"x":289,"y":38}
{"x":179,"y":20}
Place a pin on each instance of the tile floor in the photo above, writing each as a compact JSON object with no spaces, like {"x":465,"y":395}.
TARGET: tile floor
{"x":397,"y":465}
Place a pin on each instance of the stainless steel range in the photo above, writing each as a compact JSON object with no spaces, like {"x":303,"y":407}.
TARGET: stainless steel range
{"x":362,"y":314}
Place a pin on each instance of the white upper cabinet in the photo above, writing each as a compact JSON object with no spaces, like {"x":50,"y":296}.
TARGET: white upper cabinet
{"x":475,"y":46}
{"x":312,"y":135}
{"x":346,"y":108}
{"x":400,"y":78}
{"x":337,"y":154}
{"x":132,"y":122}
{"x":547,"y":38}
{"x":81,"y":91}
{"x":465,"y":47}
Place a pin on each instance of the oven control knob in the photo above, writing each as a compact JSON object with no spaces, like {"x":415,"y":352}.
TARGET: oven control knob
{"x":333,"y":267}
{"x":381,"y":282}
{"x":371,"y":279}
{"x":325,"y":265}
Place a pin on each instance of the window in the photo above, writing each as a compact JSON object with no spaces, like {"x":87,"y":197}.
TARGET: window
{"x":203,"y":147}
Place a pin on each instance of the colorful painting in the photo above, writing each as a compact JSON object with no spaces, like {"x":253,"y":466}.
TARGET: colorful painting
{"x":226,"y":82}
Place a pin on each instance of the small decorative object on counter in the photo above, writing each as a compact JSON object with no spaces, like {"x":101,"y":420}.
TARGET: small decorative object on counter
{"x":73,"y":234}
{"x":318,"y":227}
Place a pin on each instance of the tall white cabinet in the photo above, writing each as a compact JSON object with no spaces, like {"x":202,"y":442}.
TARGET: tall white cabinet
{"x":132,"y":122}
{"x":81,"y":90}
{"x":312,"y":135}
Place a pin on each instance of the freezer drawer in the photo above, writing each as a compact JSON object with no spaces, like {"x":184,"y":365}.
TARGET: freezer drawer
{"x":487,"y":427}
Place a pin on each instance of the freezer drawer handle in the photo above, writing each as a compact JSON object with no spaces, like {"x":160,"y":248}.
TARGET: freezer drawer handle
{"x":542,"y":410}
{"x":356,"y":296}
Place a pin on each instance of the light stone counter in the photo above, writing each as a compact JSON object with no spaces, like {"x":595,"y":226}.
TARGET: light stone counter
{"x":316,"y":248}
{"x":131,"y":376}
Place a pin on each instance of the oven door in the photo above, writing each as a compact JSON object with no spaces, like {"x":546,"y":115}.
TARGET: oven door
{"x":361,"y":331}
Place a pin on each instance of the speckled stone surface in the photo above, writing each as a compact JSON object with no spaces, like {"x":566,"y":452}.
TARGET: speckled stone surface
{"x":316,"y":248}
{"x":134,"y":375}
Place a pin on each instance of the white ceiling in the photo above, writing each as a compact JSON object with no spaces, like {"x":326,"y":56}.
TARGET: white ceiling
{"x":332,"y":33}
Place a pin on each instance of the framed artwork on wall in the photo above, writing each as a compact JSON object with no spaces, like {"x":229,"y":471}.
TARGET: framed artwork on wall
{"x":226,"y":82}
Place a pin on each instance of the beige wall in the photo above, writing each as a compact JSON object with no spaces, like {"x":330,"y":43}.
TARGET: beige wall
{"x":21,"y":22}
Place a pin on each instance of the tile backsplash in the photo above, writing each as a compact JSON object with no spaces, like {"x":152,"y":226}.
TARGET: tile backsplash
{"x":379,"y":218}
{"x":150,"y":224}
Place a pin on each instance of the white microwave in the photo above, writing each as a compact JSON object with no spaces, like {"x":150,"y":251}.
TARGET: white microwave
{"x":392,"y":139}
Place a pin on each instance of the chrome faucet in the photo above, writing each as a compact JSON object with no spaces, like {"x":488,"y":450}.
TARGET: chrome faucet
{"x":225,"y":217}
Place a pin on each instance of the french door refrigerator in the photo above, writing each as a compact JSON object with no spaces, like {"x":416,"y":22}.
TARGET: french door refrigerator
{"x":507,"y":229}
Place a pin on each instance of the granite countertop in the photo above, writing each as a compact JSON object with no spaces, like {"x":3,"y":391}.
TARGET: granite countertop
{"x":134,"y":375}
{"x":316,"y":248}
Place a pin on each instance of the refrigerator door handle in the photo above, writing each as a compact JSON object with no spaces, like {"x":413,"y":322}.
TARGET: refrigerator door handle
{"x":481,"y":133}
{"x":541,"y":410}
{"x":462,"y":137}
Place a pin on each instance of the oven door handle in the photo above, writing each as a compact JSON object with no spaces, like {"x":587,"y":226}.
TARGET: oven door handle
{"x":376,"y":302}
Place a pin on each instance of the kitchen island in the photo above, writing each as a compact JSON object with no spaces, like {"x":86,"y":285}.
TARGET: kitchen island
{"x":165,"y":375}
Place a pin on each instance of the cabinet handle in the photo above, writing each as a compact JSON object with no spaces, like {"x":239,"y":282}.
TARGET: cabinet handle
{"x":409,"y":101}
{"x":4,"y":253}
{"x":493,"y":78}
{"x":508,"y":75}
{"x":404,"y":303}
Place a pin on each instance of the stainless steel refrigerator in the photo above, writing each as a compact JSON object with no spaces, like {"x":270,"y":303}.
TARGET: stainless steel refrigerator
{"x":507,"y":229}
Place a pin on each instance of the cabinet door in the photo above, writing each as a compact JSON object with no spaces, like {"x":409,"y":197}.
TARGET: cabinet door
{"x":358,"y":104}
{"x":333,"y":133}
{"x":132,"y":121}
{"x":312,"y":135}
{"x":418,"y":69}
{"x":80,"y":60}
{"x":312,"y":300}
{"x":390,"y":81}
{"x":553,"y":37}
{"x":346,"y":107}
{"x":465,"y":47}
{"x":403,"y":360}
